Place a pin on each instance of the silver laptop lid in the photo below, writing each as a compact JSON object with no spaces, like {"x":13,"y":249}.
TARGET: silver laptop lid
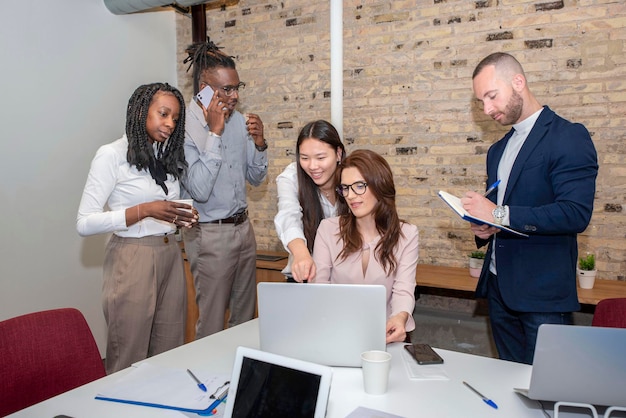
{"x":579,"y":364}
{"x":330,"y":324}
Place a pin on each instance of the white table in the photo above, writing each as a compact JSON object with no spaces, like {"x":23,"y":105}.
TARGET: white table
{"x":405,"y":397}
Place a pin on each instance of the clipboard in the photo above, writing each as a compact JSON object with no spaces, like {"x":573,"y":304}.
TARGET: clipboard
{"x":455,"y":204}
{"x":166,"y":388}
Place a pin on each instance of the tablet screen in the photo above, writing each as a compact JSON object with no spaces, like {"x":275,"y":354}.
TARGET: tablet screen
{"x":267,"y":390}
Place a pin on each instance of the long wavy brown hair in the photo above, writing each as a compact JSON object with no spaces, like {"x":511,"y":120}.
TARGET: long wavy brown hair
{"x":377,"y":174}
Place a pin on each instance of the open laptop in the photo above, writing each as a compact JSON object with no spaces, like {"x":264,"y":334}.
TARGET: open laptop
{"x":266,"y":385}
{"x":580,"y":364}
{"x":330,"y":324}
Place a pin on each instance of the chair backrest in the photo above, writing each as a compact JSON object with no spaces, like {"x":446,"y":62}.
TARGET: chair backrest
{"x":610,"y":313}
{"x":43,"y":354}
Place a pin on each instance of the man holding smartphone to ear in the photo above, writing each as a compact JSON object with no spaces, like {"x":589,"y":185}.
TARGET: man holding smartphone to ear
{"x":224,"y":149}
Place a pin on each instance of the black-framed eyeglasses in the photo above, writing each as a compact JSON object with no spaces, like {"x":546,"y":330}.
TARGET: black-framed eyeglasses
{"x":229,"y":90}
{"x":358,"y":187}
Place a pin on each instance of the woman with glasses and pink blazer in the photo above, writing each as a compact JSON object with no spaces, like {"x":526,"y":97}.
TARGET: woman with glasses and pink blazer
{"x":368,"y":243}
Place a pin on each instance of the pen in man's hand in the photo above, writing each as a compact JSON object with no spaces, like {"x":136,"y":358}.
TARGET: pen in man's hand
{"x":484,"y":398}
{"x":491,"y":188}
{"x":200,"y":384}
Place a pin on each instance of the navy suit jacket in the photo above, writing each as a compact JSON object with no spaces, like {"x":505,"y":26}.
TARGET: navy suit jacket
{"x":550,"y":196}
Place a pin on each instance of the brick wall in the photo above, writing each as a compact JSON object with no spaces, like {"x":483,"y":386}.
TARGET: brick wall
{"x":408,"y":96}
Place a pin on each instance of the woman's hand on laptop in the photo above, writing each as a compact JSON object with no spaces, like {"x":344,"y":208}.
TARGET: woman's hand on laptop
{"x":396,"y":331}
{"x":303,"y":267}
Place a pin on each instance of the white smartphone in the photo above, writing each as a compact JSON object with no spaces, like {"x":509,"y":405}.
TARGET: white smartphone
{"x":205,"y":95}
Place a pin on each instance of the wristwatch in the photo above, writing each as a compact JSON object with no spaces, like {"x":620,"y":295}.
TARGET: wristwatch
{"x":498,"y":214}
{"x":261,"y":148}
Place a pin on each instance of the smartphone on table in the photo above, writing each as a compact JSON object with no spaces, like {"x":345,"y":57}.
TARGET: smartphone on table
{"x":423,"y":353}
{"x":205,"y":95}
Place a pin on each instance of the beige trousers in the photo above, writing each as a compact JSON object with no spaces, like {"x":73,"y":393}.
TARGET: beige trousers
{"x":143,"y":298}
{"x":223,"y":262}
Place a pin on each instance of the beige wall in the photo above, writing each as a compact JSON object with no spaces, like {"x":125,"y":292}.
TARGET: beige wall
{"x":407,"y":95}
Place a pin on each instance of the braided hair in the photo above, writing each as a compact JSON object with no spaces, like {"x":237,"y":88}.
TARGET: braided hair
{"x":206,"y":56}
{"x":170,"y":156}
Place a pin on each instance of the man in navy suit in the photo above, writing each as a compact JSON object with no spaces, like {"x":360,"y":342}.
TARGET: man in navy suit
{"x":547,"y":167}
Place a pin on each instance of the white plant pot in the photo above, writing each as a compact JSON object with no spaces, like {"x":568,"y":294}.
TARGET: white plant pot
{"x":475,"y":266}
{"x":586,"y":278}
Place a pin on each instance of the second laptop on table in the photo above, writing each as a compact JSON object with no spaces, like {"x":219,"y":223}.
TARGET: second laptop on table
{"x":581,"y":364}
{"x":330,"y":324}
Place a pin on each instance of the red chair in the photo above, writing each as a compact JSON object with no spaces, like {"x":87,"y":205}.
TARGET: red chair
{"x":43,"y":354}
{"x":610,"y":313}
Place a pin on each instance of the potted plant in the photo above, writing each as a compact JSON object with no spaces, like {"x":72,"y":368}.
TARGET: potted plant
{"x":586,"y":271}
{"x":476,"y":260}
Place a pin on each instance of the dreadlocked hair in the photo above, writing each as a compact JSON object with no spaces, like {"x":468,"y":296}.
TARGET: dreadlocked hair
{"x":206,"y":56}
{"x":170,"y":156}
{"x":379,"y":178}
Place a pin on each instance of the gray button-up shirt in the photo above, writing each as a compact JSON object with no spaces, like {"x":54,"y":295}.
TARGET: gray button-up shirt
{"x":219,"y":167}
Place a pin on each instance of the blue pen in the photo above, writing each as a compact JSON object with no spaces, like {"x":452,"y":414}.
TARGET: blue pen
{"x":485,"y":399}
{"x":491,"y":188}
{"x":200,"y":384}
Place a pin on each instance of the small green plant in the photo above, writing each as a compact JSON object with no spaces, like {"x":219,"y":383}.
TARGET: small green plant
{"x":588,"y":262}
{"x":478,"y":254}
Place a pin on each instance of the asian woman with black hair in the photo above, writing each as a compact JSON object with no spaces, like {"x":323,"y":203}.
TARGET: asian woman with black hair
{"x":306,"y":195}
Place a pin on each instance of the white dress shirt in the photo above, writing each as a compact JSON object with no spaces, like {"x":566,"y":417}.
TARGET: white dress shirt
{"x":115,"y":185}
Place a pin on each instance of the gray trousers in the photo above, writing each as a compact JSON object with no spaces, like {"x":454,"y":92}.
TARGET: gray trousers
{"x":223,"y":263}
{"x":143,"y":298}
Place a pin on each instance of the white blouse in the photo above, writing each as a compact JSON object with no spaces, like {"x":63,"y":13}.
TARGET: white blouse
{"x":112,"y":186}
{"x":288,"y":220}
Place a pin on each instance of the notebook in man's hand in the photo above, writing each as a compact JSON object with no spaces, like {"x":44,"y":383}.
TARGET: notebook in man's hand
{"x":455,"y":204}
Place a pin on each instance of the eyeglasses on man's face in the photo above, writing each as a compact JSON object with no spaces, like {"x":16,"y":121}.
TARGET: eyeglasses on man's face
{"x":358,"y":187}
{"x":229,"y":90}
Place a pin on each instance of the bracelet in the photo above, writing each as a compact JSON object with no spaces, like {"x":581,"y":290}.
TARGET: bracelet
{"x":261,"y":148}
{"x":214,"y":135}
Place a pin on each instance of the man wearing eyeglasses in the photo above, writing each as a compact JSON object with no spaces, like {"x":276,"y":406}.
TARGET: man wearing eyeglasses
{"x":224,"y":149}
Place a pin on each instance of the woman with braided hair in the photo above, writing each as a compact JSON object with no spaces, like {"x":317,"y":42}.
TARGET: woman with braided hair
{"x":130,"y":191}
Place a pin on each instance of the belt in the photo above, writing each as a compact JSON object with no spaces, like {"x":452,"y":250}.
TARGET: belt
{"x":237,"y":218}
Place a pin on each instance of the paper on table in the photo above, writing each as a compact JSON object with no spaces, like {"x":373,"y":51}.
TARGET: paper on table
{"x":455,"y":204}
{"x":164,"y":388}
{"x":362,"y":412}
{"x":423,"y":372}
